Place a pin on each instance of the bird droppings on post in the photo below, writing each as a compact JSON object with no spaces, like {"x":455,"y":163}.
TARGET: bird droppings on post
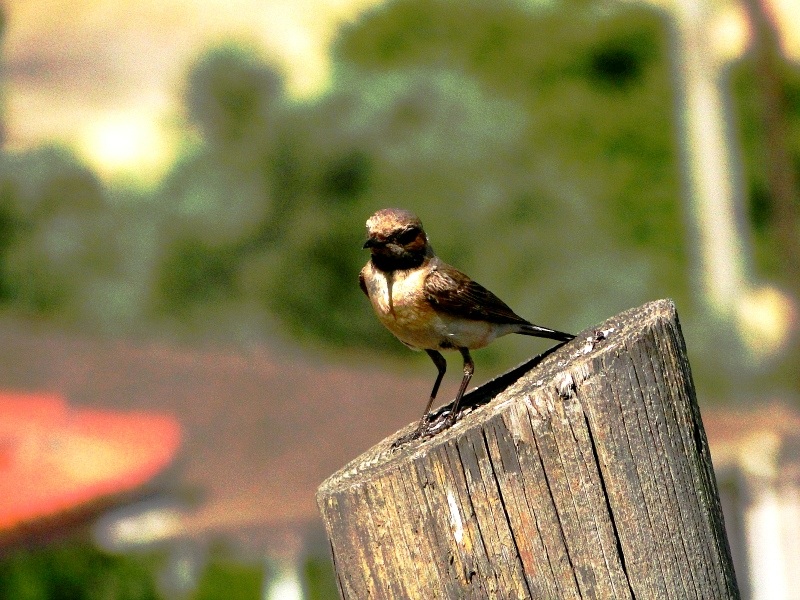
{"x":565,"y":385}
{"x":455,"y":517}
{"x":580,"y":373}
{"x":597,"y":336}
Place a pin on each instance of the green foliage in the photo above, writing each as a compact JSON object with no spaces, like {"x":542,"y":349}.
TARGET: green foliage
{"x":8,"y":233}
{"x":74,"y":572}
{"x":543,"y":135}
{"x":320,"y":579}
{"x":196,"y":273}
{"x":54,"y":217}
{"x":229,"y":580}
{"x":751,"y":136}
{"x":231,"y":96}
{"x":595,"y":89}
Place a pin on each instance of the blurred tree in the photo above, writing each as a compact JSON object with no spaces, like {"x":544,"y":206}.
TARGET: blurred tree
{"x":771,"y":259}
{"x":224,"y":191}
{"x":231,"y":195}
{"x":540,"y":134}
{"x":592,"y":82}
{"x":194,"y":272}
{"x":234,"y":99}
{"x":54,"y":215}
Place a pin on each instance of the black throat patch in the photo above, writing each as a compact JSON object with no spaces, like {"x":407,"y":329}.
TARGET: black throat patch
{"x":400,"y":262}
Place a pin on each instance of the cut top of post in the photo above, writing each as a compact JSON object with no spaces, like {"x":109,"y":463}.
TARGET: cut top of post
{"x":564,"y":366}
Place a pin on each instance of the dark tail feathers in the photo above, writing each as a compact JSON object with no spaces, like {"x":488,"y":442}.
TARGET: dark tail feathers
{"x":543,"y":332}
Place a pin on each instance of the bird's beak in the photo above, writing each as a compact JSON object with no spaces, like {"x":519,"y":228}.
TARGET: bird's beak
{"x":371,"y":243}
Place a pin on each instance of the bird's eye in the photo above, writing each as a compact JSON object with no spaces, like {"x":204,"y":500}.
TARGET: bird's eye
{"x":409,"y":235}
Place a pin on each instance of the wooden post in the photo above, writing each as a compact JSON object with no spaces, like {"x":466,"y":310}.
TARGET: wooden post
{"x":588,"y":476}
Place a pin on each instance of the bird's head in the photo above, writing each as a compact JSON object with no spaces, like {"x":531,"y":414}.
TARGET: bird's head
{"x":396,"y":239}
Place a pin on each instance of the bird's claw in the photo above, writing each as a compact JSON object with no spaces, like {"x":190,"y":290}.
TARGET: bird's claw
{"x":404,"y":439}
{"x":428,"y":427}
{"x":443,"y":421}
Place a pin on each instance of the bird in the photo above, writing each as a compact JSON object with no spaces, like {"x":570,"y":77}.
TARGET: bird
{"x":430,"y":305}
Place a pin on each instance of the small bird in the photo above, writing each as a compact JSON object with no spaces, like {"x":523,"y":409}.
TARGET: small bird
{"x":429,"y":305}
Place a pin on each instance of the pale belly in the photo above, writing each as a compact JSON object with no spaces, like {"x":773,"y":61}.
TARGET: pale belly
{"x":403,"y":309}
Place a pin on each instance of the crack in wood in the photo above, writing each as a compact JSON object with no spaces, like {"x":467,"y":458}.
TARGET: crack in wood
{"x":609,"y":508}
{"x":503,"y":501}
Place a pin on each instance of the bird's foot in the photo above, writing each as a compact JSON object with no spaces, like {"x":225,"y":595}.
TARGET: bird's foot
{"x":443,"y":421}
{"x":428,"y":427}
{"x":408,"y":437}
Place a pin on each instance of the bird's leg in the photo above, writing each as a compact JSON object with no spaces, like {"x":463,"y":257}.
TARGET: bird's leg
{"x":469,"y":369}
{"x":441,"y":365}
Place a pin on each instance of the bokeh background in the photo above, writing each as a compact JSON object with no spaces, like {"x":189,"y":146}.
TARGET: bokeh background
{"x":183,"y":190}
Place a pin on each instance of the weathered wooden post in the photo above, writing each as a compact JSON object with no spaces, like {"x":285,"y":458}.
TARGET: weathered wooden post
{"x":588,"y":476}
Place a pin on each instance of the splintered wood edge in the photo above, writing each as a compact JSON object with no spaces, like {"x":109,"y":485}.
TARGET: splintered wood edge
{"x":564,"y":369}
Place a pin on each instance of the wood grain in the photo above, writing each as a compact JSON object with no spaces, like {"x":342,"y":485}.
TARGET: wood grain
{"x":587,"y":475}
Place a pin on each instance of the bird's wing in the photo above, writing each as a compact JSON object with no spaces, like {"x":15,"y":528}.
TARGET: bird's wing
{"x":449,"y":290}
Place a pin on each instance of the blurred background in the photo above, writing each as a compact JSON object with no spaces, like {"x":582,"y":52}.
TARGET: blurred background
{"x":185,"y":353}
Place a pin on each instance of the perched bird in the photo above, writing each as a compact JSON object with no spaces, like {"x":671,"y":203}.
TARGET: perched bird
{"x":429,"y":305}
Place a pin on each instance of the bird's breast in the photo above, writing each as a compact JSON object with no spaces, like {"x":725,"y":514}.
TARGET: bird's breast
{"x":399,"y":301}
{"x":398,"y":297}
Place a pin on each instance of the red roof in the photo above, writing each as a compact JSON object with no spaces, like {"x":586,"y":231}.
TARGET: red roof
{"x":54,"y":458}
